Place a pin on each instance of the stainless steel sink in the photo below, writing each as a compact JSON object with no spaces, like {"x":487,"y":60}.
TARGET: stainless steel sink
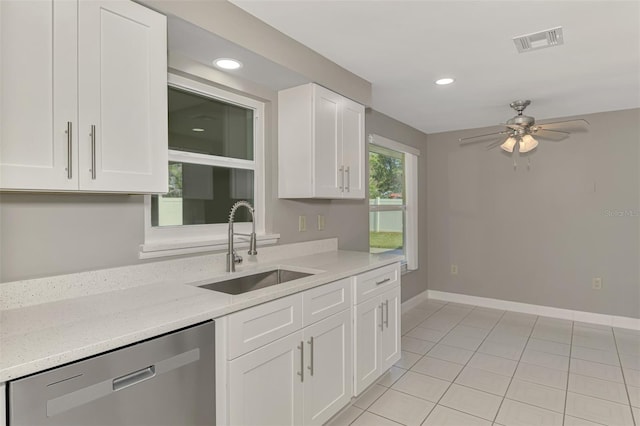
{"x":254,"y":282}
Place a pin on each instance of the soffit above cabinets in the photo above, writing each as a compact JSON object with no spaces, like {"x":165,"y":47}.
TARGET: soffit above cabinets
{"x":199,"y":45}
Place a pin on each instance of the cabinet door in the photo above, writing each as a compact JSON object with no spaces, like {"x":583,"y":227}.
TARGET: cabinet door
{"x":264,"y":385}
{"x":368,"y":325}
{"x":328,"y":384}
{"x":38,"y":94}
{"x":353,"y":149}
{"x":390,"y":335}
{"x":328,"y":171}
{"x":123,"y":97}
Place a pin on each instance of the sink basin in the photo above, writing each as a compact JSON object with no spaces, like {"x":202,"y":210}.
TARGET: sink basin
{"x":248,"y":283}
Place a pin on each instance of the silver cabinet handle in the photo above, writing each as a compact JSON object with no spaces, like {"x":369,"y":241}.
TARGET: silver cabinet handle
{"x":301,"y":373}
{"x":386,"y":280}
{"x":341,"y":170}
{"x":134,"y":378}
{"x":381,"y":318}
{"x":93,"y":151}
{"x":69,"y":133}
{"x":311,"y":355}
{"x":386,"y":320}
{"x":348,"y":172}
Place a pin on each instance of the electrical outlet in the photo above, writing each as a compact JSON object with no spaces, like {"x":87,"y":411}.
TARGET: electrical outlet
{"x":302,"y":223}
{"x":320,"y":222}
{"x":454,"y":269}
{"x":596,"y":283}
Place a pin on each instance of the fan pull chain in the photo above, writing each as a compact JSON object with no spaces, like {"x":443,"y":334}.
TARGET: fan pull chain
{"x":515,"y":165}
{"x":528,"y":163}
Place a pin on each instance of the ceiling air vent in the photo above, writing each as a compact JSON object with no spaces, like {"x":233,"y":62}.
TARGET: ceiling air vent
{"x":539,"y":40}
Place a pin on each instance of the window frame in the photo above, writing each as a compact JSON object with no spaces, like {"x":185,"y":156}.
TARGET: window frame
{"x":410,"y":206}
{"x":184,"y":239}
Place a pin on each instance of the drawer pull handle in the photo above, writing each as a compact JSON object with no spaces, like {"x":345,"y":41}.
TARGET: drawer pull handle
{"x":301,"y":373}
{"x":381,"y":317}
{"x":383,"y":281}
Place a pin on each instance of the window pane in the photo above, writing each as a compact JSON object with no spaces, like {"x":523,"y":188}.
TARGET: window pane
{"x":200,"y":194}
{"x":386,"y":231}
{"x":386,"y":174}
{"x":209,"y":126}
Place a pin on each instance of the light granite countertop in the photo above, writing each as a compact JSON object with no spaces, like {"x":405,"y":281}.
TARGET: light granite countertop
{"x":38,"y":336}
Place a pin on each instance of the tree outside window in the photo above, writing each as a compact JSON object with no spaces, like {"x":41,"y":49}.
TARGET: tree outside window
{"x":386,"y":200}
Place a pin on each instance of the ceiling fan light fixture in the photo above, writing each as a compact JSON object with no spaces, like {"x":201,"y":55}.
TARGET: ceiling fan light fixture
{"x":527,"y":143}
{"x":509,"y":144}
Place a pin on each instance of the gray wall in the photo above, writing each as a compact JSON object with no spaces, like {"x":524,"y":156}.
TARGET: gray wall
{"x":540,"y":234}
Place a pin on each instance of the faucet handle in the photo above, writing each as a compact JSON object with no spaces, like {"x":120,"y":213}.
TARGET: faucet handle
{"x":236,"y":257}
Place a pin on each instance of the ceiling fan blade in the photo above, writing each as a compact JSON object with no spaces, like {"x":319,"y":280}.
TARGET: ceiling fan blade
{"x":494,"y":144}
{"x":578,"y":125}
{"x":478,"y":137}
{"x":552,"y":135}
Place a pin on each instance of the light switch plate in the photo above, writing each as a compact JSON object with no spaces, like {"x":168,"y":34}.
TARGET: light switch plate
{"x":302,"y":223}
{"x":320,"y":222}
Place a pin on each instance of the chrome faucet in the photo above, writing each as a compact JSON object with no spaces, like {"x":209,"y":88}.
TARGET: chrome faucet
{"x":232,"y":256}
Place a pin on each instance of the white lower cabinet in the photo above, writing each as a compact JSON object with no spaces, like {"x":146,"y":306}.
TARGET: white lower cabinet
{"x":299,"y":360}
{"x":265,"y":386}
{"x":390,"y":335}
{"x":328,"y":382}
{"x":377,"y":337}
{"x":303,"y":378}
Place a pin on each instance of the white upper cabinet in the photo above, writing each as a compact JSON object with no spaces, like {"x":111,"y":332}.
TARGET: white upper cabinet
{"x":38,"y":94}
{"x":83,"y":97}
{"x":320,"y":144}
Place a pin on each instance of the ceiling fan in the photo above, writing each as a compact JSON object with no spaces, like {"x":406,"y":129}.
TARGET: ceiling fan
{"x":521,"y":128}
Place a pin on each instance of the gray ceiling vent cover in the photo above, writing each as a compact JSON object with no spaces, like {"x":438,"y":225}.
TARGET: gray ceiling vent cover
{"x":540,"y":40}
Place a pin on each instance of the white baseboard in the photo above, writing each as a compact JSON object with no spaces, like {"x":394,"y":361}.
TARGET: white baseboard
{"x":547,"y":311}
{"x":414,"y":301}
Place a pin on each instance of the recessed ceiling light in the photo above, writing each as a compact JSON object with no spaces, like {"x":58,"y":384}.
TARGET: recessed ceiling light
{"x":227,"y":63}
{"x":197,"y":129}
{"x":444,"y":81}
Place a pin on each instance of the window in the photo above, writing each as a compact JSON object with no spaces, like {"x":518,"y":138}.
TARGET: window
{"x":215,"y":160}
{"x":393,"y":199}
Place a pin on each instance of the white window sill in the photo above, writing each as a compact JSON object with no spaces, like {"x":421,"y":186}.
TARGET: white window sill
{"x":181,"y":247}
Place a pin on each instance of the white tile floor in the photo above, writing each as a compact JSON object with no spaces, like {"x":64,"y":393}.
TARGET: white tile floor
{"x":466,"y":365}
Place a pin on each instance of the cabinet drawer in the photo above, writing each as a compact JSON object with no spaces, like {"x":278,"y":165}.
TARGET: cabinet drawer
{"x":375,"y":282}
{"x":262,"y":324}
{"x":326,"y":300}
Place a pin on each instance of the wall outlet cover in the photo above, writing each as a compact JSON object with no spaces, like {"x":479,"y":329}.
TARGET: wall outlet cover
{"x":596,"y":283}
{"x":302,"y":223}
{"x":454,"y":269}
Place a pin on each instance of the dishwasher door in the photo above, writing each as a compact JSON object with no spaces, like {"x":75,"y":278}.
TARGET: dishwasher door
{"x":169,"y":380}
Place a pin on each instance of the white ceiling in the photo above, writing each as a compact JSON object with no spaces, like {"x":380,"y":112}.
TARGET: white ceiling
{"x":401,"y":47}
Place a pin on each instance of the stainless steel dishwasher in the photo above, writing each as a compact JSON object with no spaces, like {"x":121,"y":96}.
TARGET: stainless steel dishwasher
{"x":168,"y":380}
